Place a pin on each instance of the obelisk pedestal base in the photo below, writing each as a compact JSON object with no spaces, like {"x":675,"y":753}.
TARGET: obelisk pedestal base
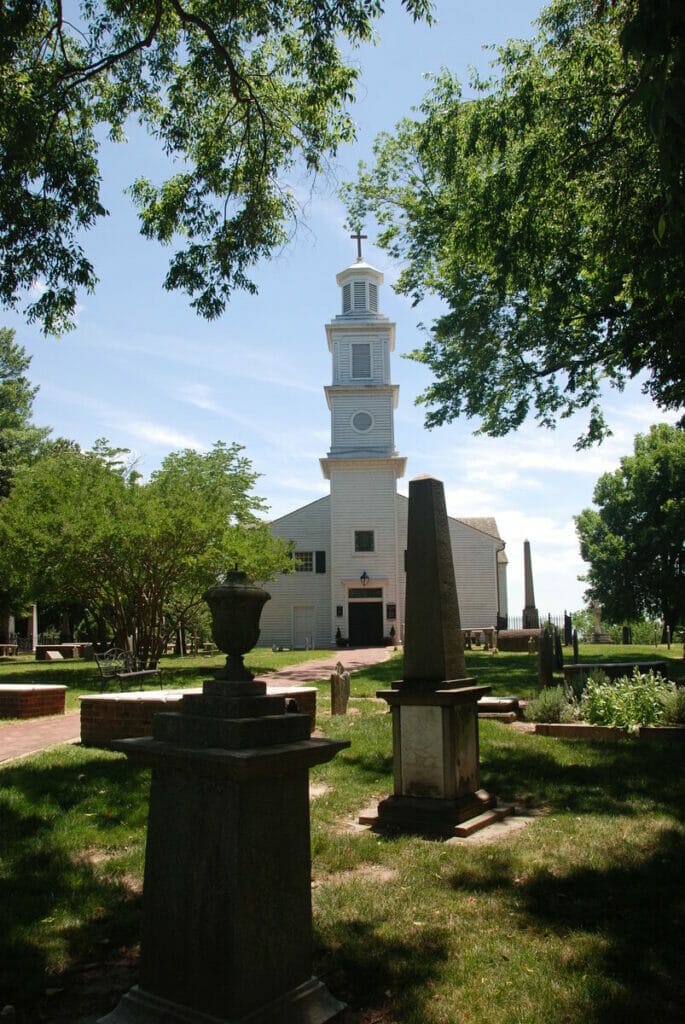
{"x":435,"y":758}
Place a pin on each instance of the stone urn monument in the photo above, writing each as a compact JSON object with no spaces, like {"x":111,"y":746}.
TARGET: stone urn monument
{"x":227,"y":930}
{"x":236,"y":606}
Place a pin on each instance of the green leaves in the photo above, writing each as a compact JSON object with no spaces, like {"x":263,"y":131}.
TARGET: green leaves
{"x":238,"y":95}
{"x":538,"y":213}
{"x":77,"y":529}
{"x":634,"y":542}
{"x":20,"y":439}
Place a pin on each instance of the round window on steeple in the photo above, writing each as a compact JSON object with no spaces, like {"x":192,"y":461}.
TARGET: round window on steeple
{"x":362,"y":421}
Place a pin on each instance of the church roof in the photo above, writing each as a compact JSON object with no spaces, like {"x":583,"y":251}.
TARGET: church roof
{"x":486,"y":524}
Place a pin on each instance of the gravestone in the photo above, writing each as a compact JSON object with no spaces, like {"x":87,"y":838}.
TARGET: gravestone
{"x":531,"y":617}
{"x":435,"y":705}
{"x":598,"y":634}
{"x":546,"y":656}
{"x":340,"y":690}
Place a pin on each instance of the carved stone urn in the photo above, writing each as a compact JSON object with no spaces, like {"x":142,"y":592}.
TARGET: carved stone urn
{"x":235,"y":605}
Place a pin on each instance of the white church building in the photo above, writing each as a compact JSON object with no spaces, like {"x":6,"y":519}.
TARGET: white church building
{"x":349,"y":546}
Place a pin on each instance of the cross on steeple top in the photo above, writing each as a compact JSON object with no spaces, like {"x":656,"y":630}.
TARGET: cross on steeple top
{"x":358,"y":239}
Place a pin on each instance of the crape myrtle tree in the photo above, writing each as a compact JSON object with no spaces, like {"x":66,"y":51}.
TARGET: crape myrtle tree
{"x":634,"y":540}
{"x":80,"y":529}
{"x":243,"y":97}
{"x":548,"y":215}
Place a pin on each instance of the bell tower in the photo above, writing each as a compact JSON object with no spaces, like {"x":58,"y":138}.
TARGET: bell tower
{"x":362,"y":463}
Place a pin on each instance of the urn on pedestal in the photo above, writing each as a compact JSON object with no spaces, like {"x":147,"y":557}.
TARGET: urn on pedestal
{"x":235,"y":605}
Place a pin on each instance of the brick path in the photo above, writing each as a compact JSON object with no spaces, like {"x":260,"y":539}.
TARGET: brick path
{"x":36,"y":734}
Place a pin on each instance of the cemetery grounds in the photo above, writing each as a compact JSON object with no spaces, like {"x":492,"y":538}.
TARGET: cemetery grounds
{"x":578,"y":917}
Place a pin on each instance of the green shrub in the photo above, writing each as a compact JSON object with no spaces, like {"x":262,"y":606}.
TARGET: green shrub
{"x":627,"y":702}
{"x":551,"y":705}
{"x":674,"y":706}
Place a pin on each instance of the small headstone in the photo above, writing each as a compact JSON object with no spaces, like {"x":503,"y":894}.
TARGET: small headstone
{"x":54,"y":656}
{"x":568,"y":630}
{"x":546,"y":656}
{"x":558,"y":650}
{"x":340,"y":690}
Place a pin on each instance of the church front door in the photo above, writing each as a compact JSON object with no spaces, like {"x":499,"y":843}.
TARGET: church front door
{"x":366,"y":624}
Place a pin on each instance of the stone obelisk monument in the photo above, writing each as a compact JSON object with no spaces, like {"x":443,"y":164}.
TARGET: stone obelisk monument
{"x":531,"y":617}
{"x":434,"y":706}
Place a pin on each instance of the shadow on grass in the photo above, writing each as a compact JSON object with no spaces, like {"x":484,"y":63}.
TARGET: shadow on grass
{"x":622,"y":778}
{"x":371,"y":764}
{"x":369,"y":970}
{"x":56,"y":905}
{"x":635,"y":911}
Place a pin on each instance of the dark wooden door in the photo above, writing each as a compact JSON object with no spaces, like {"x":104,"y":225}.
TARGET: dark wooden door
{"x":366,"y":624}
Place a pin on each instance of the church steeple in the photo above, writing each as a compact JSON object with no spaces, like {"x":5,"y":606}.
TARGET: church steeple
{"x":361,"y":397}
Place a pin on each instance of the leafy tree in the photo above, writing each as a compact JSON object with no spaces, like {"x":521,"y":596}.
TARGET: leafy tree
{"x":549,"y":216}
{"x":78,"y":529}
{"x":238,"y":95}
{"x":20,"y":439}
{"x":634,"y":541}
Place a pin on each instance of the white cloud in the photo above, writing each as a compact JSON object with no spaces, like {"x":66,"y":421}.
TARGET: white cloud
{"x":160,"y":435}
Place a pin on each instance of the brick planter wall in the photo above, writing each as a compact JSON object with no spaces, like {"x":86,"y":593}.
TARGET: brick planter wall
{"x":107,"y":717}
{"x":24,"y":700}
{"x":583,"y":731}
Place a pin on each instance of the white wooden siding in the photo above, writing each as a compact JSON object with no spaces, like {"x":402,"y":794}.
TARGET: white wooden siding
{"x":309,"y":528}
{"x":343,"y":435}
{"x":364,"y":499}
{"x":342,"y":358}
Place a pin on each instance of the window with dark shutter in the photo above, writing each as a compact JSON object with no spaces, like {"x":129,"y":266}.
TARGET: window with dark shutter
{"x":320,"y":561}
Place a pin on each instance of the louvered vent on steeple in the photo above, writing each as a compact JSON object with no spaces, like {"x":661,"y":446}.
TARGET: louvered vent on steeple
{"x":360,"y":287}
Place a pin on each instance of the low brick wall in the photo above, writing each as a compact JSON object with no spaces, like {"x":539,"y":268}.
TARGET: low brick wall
{"x":107,"y":717}
{"x":66,"y":650}
{"x":517,"y":639}
{"x":584,"y":731}
{"x":26,"y":700}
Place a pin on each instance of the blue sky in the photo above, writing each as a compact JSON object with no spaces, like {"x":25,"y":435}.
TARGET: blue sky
{"x":144,"y":371}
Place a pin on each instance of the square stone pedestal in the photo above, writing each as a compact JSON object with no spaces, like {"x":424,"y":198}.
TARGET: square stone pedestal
{"x":435,"y":758}
{"x":226,"y":931}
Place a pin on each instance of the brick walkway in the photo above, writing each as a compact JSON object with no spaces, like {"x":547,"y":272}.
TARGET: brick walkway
{"x":36,"y":734}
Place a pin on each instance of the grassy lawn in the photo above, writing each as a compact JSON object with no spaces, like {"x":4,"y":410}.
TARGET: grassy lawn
{"x":577,"y":918}
{"x":506,"y":673}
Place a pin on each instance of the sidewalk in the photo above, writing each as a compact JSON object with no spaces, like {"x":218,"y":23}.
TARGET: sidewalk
{"x":36,"y":734}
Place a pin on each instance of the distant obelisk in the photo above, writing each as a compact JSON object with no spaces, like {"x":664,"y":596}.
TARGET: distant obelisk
{"x":531,"y":618}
